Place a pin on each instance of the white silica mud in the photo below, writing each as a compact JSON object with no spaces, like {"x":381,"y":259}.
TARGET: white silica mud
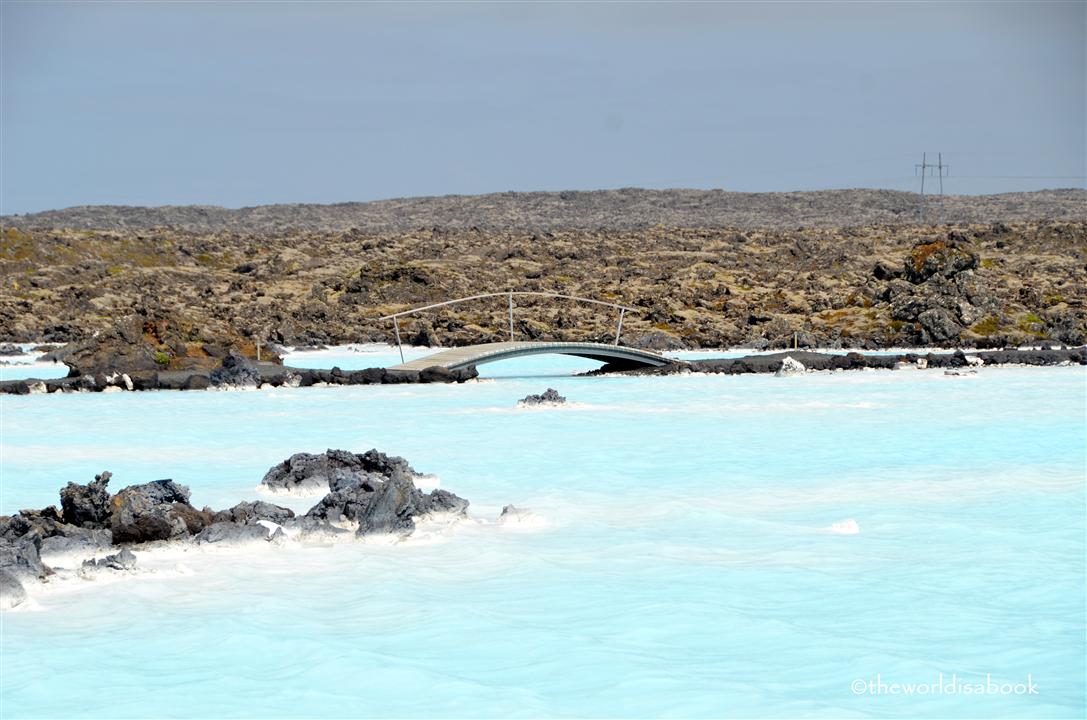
{"x":691,"y":546}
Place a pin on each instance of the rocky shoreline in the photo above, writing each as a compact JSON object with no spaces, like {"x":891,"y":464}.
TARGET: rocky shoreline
{"x":241,"y":374}
{"x":794,"y":361}
{"x":365,"y":494}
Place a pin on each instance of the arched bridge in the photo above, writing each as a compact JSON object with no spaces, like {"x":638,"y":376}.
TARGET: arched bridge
{"x":462,"y":357}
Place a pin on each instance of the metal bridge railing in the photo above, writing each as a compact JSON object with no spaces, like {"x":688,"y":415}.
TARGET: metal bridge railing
{"x":510,"y":293}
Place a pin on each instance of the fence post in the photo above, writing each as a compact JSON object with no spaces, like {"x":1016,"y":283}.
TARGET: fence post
{"x":396,"y":328}
{"x":619,"y":331}
{"x":511,"y":316}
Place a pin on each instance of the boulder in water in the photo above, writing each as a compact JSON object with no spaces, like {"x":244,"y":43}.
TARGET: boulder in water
{"x":235,"y":372}
{"x":124,"y":560}
{"x":548,"y":397}
{"x":153,"y":511}
{"x":789,"y":366}
{"x":12,"y":593}
{"x":377,"y":494}
{"x":304,"y":472}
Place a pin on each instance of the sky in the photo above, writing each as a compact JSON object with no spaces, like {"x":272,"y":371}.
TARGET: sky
{"x":239,"y":104}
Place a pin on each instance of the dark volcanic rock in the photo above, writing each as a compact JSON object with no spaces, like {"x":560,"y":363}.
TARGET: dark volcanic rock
{"x":549,"y":397}
{"x":382,"y":504}
{"x":945,"y":258}
{"x":658,"y":341}
{"x":7,"y":349}
{"x":306,"y":472}
{"x":87,"y":505}
{"x":940,"y":324}
{"x":230,"y":532}
{"x":437,"y":374}
{"x":157,"y":510}
{"x":250,"y":512}
{"x":236,"y":371}
{"x":123,"y":560}
{"x":12,"y":592}
{"x":22,"y":557}
{"x":71,"y":539}
{"x":154,"y":340}
{"x":374,"y":491}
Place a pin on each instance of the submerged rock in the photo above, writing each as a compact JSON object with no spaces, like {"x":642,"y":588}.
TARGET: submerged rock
{"x":230,"y":532}
{"x":12,"y":592}
{"x":548,"y":397}
{"x":248,"y":513}
{"x":71,"y":539}
{"x":124,"y":560}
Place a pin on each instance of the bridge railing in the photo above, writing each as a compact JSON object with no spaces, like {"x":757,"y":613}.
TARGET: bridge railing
{"x":395,"y":317}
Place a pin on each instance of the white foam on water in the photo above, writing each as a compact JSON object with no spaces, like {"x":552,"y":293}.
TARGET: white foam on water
{"x":162,"y":561}
{"x":845,"y":527}
{"x":427,"y":481}
{"x":301,"y":491}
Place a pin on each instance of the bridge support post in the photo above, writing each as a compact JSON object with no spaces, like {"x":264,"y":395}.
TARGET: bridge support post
{"x":511,"y":316}
{"x":396,"y":329}
{"x":619,"y":330}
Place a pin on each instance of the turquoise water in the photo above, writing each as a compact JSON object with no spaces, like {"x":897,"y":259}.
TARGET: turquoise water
{"x":29,"y":365}
{"x":680,"y":560}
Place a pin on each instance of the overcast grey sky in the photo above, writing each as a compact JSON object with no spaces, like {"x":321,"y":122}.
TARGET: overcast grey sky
{"x":252,"y":103}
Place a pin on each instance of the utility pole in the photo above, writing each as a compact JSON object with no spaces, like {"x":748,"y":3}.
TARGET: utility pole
{"x":939,"y":170}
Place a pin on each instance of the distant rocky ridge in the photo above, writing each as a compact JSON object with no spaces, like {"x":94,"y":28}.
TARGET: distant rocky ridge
{"x":624,"y":209}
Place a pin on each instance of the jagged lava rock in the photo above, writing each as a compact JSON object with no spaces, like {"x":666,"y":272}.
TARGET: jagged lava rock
{"x":156,"y":340}
{"x":156,"y":510}
{"x":88,"y":505}
{"x":372,"y":490}
{"x":236,"y":371}
{"x":307,"y":472}
{"x":548,"y":397}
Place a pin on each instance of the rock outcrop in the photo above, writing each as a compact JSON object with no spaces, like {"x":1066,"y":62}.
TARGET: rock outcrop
{"x":158,"y":510}
{"x":548,"y":397}
{"x":305,"y":472}
{"x":371,"y":492}
{"x":153,"y":340}
{"x":939,"y":292}
{"x":87,"y":506}
{"x":235,"y":372}
{"x":376,"y":494}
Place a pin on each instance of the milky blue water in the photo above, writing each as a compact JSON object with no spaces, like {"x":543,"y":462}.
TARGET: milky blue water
{"x":681,"y":562}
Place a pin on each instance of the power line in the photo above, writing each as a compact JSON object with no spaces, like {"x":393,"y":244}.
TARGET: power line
{"x":926,"y":169}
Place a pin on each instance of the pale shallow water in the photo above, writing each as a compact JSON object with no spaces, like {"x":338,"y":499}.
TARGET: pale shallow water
{"x":680,"y":560}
